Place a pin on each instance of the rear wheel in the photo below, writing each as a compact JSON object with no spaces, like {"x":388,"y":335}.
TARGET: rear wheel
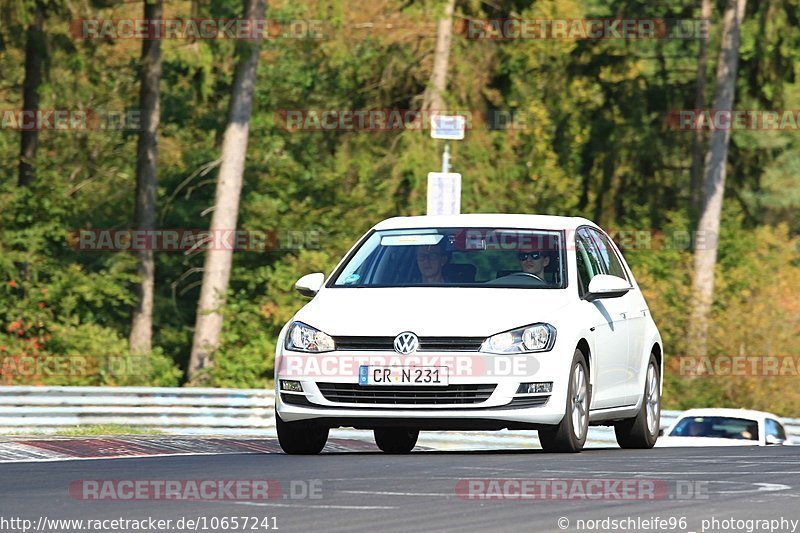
{"x":642,"y":431}
{"x":300,"y":438}
{"x":396,"y":440}
{"x":570,"y":434}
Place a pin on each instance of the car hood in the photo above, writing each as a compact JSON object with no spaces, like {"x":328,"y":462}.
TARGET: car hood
{"x":670,"y":442}
{"x":430,"y":311}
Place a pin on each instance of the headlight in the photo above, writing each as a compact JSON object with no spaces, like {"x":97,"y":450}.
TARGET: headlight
{"x":303,"y":338}
{"x":533,"y":338}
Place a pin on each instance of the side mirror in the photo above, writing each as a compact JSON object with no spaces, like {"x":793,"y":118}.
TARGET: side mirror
{"x":605,"y":286}
{"x":773,"y":440}
{"x":310,"y":284}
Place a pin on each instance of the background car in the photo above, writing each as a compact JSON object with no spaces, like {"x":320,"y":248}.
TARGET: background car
{"x":725,"y":427}
{"x":478,"y":321}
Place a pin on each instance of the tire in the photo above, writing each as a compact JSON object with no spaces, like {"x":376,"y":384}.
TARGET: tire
{"x":396,"y":440}
{"x":642,"y":431}
{"x":570,"y":435}
{"x":300,"y":438}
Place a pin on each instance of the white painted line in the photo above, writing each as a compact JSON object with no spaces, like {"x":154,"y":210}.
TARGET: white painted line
{"x":385,"y":493}
{"x":347,"y":507}
{"x":762,"y":487}
{"x":674,"y":474}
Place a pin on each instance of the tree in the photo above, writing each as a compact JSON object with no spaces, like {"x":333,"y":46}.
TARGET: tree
{"x":705,"y":254}
{"x":34,"y":55}
{"x":700,"y":103}
{"x":146,"y":160}
{"x":218,"y":260}
{"x":433,"y":99}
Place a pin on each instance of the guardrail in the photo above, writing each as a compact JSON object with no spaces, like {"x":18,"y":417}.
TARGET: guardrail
{"x":216,"y":411}
{"x":168,"y":409}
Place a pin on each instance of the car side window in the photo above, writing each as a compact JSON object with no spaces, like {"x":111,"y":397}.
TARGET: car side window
{"x":608,"y":255}
{"x":775,"y":429}
{"x":588,"y":260}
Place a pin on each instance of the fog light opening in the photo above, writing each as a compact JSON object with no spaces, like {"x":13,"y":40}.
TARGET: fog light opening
{"x":541,"y":387}
{"x":291,"y":386}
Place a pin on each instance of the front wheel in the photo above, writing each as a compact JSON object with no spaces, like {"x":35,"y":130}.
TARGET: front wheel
{"x":396,"y":440}
{"x":300,"y":438}
{"x":570,"y":434}
{"x":642,"y":431}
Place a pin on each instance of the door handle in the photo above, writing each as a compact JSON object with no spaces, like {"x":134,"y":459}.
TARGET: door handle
{"x":624,"y":315}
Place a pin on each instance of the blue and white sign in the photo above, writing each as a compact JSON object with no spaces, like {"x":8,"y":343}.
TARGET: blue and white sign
{"x":448,"y":127}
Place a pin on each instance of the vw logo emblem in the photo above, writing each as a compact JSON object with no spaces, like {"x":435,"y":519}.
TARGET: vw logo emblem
{"x":406,"y":343}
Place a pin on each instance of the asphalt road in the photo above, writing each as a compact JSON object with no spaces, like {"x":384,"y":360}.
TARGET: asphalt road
{"x":425,"y":491}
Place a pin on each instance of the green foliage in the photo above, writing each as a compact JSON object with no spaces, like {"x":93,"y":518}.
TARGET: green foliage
{"x":107,"y":429}
{"x":589,"y":138}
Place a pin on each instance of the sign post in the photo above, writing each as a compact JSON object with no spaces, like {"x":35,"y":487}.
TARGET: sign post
{"x":444,"y":188}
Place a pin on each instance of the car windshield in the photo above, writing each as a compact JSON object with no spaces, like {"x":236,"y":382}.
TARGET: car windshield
{"x":457,"y":257}
{"x":716,"y":426}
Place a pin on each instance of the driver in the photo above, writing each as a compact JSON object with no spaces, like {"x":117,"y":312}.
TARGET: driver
{"x":533,"y":263}
{"x":431,"y":260}
{"x":696,"y":429}
{"x":751,"y":432}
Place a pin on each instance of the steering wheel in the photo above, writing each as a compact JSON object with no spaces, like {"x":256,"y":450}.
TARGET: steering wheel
{"x":534,"y":276}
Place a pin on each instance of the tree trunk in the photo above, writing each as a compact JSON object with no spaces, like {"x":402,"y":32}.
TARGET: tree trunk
{"x":699,"y":103}
{"x":705,"y":254}
{"x":34,"y":54}
{"x":217,"y":266}
{"x":433,"y":99}
{"x":146,"y":160}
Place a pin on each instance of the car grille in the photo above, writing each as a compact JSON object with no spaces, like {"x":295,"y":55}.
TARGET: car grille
{"x":296,"y":399}
{"x":525,"y":402}
{"x":405,"y":395}
{"x":426,"y":344}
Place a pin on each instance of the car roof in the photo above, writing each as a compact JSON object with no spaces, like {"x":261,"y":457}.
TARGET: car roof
{"x":486,"y":220}
{"x":724,"y":411}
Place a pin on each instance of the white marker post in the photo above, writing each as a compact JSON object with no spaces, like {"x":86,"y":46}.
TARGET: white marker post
{"x":444,"y":188}
{"x":444,"y":193}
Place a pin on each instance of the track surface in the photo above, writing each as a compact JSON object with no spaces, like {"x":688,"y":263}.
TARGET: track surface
{"x":368,"y":491}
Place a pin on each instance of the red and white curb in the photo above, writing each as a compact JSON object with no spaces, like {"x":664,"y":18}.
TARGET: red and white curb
{"x":68,"y":449}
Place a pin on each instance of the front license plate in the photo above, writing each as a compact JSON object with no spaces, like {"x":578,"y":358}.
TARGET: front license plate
{"x":403,"y":375}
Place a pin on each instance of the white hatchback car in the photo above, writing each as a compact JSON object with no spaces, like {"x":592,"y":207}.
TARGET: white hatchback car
{"x":477,"y":321}
{"x":725,"y":427}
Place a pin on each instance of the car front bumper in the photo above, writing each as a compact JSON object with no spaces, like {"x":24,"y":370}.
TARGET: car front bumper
{"x":504,"y":407}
